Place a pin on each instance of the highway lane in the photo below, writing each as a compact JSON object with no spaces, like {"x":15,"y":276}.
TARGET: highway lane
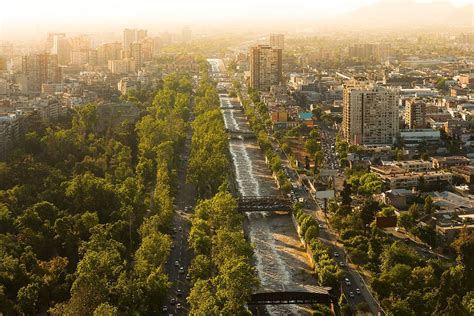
{"x":180,"y":251}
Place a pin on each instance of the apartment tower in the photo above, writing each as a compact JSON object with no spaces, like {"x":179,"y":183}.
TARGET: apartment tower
{"x":370,"y":113}
{"x":265,"y":67}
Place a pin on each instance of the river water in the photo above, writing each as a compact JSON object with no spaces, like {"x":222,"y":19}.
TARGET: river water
{"x":280,"y":260}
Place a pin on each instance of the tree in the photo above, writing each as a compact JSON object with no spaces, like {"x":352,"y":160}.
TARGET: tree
{"x":201,"y":268}
{"x":346,"y":194}
{"x":428,"y":207}
{"x":406,"y":221}
{"x":105,"y":309}
{"x":312,"y":146}
{"x":311,"y":233}
{"x":368,"y":211}
{"x":202,"y":299}
{"x":28,"y":298}
{"x":398,"y":253}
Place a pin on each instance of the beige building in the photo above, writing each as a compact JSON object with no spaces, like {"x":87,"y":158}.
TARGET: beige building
{"x":265,"y":67}
{"x":410,"y":180}
{"x":108,"y":51}
{"x":415,"y":165}
{"x":277,"y":41}
{"x":136,"y":54}
{"x":121,"y":66}
{"x":448,"y":162}
{"x":39,"y":69}
{"x":415,"y":113}
{"x":370,"y":113}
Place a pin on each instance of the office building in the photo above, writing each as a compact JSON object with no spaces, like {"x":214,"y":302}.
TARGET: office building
{"x":39,"y":69}
{"x":277,"y":41}
{"x":415,"y":113}
{"x":370,"y":113}
{"x":265,"y":67}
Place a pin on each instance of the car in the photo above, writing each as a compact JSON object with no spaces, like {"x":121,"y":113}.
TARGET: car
{"x":180,"y":228}
{"x":178,"y":306}
{"x":176,"y":263}
{"x":342,"y":264}
{"x":179,"y":292}
{"x":164,"y":309}
{"x":351,"y":294}
{"x":347,"y":281}
{"x":186,"y":208}
{"x":181,"y":270}
{"x":172,"y":301}
{"x":358,"y":291}
{"x":336,"y":254}
{"x":188,"y":277}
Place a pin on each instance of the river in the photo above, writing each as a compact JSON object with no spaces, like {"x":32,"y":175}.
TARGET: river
{"x":280,"y":259}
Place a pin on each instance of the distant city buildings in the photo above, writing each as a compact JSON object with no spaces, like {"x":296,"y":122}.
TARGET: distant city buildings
{"x":370,"y":113}
{"x":39,"y":69}
{"x":265,"y":67}
{"x":277,"y":41}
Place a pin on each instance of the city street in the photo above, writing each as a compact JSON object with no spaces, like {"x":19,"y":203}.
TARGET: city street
{"x":180,"y":253}
{"x":355,"y":290}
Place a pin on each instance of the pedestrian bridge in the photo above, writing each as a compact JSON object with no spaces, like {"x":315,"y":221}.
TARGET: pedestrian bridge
{"x":264,"y":204}
{"x":291,"y":297}
{"x":317,"y":295}
{"x":240,"y":134}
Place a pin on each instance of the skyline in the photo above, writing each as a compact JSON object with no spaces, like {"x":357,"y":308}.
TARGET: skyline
{"x":19,"y":19}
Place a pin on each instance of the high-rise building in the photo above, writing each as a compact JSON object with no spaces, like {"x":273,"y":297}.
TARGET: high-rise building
{"x":370,"y":113}
{"x":131,"y":36}
{"x":61,"y":48}
{"x":108,"y":51}
{"x":39,"y":69}
{"x":265,"y":67}
{"x":141,"y":35}
{"x":80,"y":42}
{"x":50,"y":40}
{"x":277,"y":41}
{"x":415,"y":113}
{"x":136,"y":53}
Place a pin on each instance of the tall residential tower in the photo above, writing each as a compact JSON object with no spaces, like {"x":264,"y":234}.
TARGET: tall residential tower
{"x":370,"y":113}
{"x":265,"y":67}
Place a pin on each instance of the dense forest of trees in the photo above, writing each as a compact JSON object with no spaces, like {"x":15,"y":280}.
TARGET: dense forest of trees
{"x":84,"y":215}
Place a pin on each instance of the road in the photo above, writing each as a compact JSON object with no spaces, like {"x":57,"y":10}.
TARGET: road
{"x":180,"y":252}
{"x":313,"y":207}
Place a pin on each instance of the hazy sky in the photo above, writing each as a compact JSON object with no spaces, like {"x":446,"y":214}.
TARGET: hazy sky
{"x":23,"y":15}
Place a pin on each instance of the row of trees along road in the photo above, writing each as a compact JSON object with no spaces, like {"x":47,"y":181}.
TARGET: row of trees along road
{"x":221,"y":271}
{"x":84,"y":214}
